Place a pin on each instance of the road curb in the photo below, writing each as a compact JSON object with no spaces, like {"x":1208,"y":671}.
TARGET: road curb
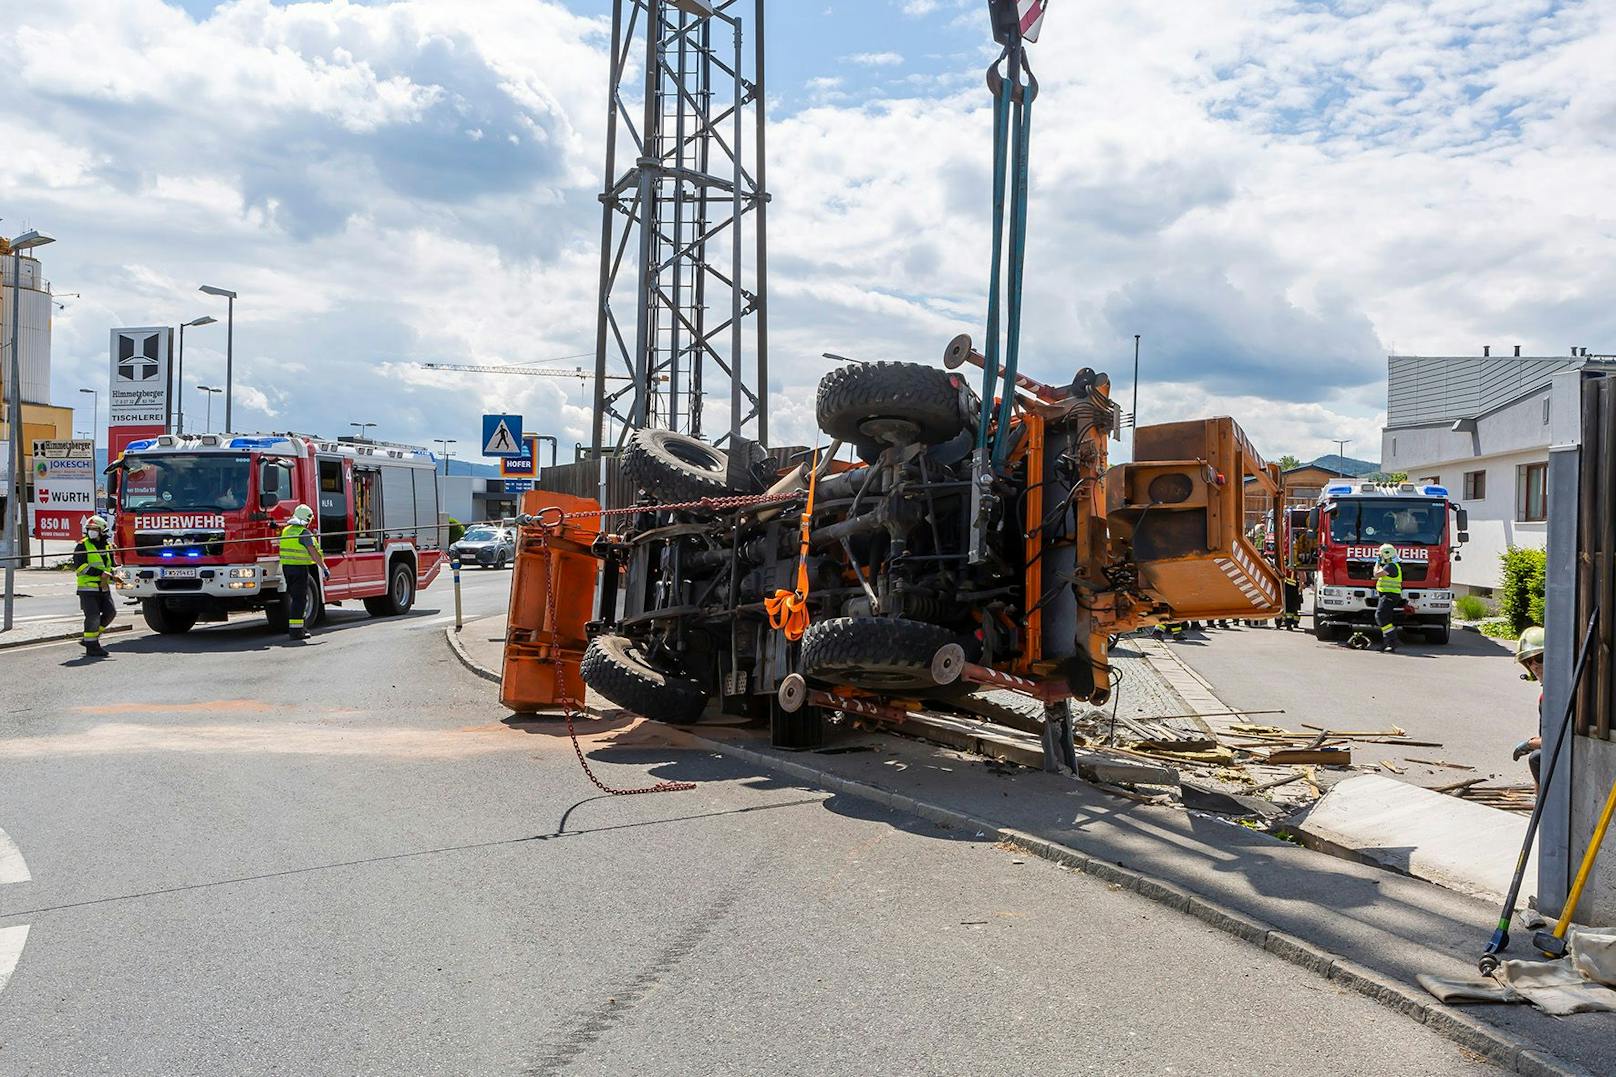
{"x":77,"y":633}
{"x":453,"y":637}
{"x":1413,"y":1003}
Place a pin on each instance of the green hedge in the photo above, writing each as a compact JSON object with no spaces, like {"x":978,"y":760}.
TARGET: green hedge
{"x":1520,"y":599}
{"x":457,"y":530}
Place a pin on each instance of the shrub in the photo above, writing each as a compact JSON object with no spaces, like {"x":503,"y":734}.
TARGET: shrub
{"x":1473,"y":608}
{"x":457,"y":530}
{"x":1520,"y":600}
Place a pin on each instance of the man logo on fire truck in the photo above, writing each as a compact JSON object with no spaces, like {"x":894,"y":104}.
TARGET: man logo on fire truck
{"x":201,"y":517}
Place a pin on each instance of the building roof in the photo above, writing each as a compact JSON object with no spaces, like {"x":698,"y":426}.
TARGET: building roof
{"x":1429,"y":389}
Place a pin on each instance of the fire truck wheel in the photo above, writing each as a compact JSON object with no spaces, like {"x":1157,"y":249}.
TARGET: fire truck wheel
{"x":854,"y":399}
{"x":675,"y":467}
{"x":1438,"y":633}
{"x":159,"y":617}
{"x":615,"y":667}
{"x":877,"y":653}
{"x":400,"y":594}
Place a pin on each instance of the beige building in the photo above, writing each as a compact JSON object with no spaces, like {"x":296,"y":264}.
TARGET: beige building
{"x":41,"y":420}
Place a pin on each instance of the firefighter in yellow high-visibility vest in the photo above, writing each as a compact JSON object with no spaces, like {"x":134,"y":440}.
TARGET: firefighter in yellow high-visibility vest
{"x":1389,"y":593}
{"x":93,"y":576}
{"x":300,"y":552}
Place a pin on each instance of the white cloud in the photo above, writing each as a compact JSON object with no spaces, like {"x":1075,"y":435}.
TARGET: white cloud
{"x":1274,"y":194}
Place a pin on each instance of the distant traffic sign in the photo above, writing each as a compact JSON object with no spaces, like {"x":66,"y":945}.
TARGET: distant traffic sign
{"x":502,"y":435}
{"x":525,"y":466}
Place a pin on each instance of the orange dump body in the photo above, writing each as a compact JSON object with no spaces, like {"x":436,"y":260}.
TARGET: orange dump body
{"x":545,"y":640}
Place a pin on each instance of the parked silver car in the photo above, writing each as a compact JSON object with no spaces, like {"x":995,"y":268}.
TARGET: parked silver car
{"x":488,"y":545}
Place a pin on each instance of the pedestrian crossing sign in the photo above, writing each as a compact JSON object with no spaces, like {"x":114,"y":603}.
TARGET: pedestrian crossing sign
{"x":502,"y":435}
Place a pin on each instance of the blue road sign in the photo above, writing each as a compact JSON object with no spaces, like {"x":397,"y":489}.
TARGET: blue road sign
{"x":502,"y":435}
{"x":518,"y":486}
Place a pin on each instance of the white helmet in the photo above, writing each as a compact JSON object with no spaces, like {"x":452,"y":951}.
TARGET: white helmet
{"x":97,"y":523}
{"x":303,"y":514}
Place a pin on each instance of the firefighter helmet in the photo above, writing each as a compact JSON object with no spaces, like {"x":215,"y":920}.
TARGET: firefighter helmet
{"x":1530,"y":645}
{"x":96,"y":523}
{"x":303,"y":514}
{"x":1388,"y":552}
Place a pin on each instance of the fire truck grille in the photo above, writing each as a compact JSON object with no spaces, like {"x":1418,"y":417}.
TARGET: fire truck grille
{"x":1413,"y":571}
{"x":153,"y":543}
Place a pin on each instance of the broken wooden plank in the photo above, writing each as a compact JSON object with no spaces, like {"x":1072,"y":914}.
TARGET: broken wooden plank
{"x":1457,"y":786}
{"x":1439,"y":763}
{"x":1322,"y":757}
{"x":1394,"y":731}
{"x":1393,"y":767}
{"x":1277,"y":782}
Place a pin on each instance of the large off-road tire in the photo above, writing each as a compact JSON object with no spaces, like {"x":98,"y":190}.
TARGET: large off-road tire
{"x":1001,"y":708}
{"x":162,"y":618}
{"x":615,"y":667}
{"x":854,"y":399}
{"x":1439,"y":634}
{"x":675,"y":467}
{"x":877,"y":653}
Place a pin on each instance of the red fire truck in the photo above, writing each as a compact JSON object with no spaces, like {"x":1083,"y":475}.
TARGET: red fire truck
{"x":199,"y":518}
{"x":1350,"y":524}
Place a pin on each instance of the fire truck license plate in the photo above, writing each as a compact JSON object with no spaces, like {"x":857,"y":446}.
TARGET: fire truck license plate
{"x":179,"y":573}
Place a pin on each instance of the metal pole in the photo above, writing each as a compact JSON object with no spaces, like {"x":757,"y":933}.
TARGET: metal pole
{"x":761,"y":196}
{"x":14,"y":424}
{"x":735,"y":336}
{"x":1136,"y":385}
{"x":651,"y":134}
{"x":459,"y":619}
{"x":229,"y":358}
{"x":179,"y":382}
{"x":602,"y":319}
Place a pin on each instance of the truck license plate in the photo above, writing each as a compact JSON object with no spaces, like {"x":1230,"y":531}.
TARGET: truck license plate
{"x":179,"y":573}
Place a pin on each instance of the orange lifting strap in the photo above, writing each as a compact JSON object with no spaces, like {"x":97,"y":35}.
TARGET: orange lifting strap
{"x":788,"y":610}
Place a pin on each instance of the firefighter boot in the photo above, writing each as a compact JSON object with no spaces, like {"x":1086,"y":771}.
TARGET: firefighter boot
{"x":298,"y":634}
{"x":93,"y":649}
{"x":1388,"y":641}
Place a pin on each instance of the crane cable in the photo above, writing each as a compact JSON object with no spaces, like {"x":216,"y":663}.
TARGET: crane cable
{"x":1013,"y":93}
{"x":788,"y":610}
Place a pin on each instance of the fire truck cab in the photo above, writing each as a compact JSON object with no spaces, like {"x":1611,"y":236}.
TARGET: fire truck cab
{"x":199,"y":518}
{"x":1345,"y":532}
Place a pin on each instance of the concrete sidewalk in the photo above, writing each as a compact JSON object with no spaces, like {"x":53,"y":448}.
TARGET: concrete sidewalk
{"x":1360,"y":926}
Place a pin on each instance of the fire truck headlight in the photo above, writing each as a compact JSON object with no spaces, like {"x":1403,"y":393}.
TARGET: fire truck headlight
{"x":243,"y":573}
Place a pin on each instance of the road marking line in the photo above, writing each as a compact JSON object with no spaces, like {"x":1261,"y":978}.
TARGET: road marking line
{"x":12,"y":940}
{"x":13,"y":869}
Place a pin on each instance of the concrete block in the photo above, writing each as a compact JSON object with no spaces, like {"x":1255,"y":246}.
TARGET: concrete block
{"x":1221,"y":918}
{"x":1297,"y":952}
{"x":1473,"y":1035}
{"x":1206,"y":798}
{"x":1448,"y":841}
{"x":1404,"y":998}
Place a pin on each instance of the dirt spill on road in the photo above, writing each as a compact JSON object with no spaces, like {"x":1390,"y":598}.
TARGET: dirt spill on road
{"x":223,"y":706}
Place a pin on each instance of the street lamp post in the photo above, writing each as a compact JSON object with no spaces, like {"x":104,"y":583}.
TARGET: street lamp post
{"x":95,"y":423}
{"x":362,"y":428}
{"x":206,"y":319}
{"x":229,"y":345}
{"x":210,"y":390}
{"x":446,"y":442}
{"x":15,"y":516}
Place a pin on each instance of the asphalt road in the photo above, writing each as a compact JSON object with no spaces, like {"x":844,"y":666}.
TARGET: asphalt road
{"x":243,"y":856}
{"x":1467,"y":696}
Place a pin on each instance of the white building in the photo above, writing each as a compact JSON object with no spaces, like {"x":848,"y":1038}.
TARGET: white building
{"x":1479,"y":425}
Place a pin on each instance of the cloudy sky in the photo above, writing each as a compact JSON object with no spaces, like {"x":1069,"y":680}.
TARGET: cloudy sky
{"x":1273,"y":194}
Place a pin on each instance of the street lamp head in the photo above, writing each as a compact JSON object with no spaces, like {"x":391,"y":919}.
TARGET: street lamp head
{"x":206,"y":319}
{"x":211,"y":290}
{"x":94,"y":391}
{"x":209,"y":389}
{"x":29,"y":240}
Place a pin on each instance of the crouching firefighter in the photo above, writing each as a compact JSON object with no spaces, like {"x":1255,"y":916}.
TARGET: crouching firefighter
{"x":1389,"y":591}
{"x":93,"y":576}
{"x":300,"y":552}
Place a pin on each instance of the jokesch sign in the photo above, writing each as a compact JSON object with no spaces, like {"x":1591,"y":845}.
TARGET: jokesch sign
{"x":141,"y":386}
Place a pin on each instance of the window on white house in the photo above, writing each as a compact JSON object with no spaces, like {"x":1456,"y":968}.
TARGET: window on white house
{"x":1545,"y":413}
{"x":1532,"y":493}
{"x":1475,"y":486}
{"x":1431,"y":480}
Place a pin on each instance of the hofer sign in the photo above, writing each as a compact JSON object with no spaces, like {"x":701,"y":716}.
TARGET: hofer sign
{"x":64,"y":488}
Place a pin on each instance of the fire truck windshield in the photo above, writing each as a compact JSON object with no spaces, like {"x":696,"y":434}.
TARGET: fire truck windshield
{"x":185,"y":483}
{"x":1372,"y":521}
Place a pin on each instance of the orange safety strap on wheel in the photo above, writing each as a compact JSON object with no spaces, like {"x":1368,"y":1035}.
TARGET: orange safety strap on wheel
{"x":788,"y":610}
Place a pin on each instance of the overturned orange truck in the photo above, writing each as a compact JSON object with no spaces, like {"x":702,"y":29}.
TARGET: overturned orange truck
{"x":935,"y":548}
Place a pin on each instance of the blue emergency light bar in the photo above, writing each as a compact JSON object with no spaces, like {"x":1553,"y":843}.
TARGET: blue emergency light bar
{"x":1436,"y":491}
{"x":256,"y":443}
{"x":1338,"y":490}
